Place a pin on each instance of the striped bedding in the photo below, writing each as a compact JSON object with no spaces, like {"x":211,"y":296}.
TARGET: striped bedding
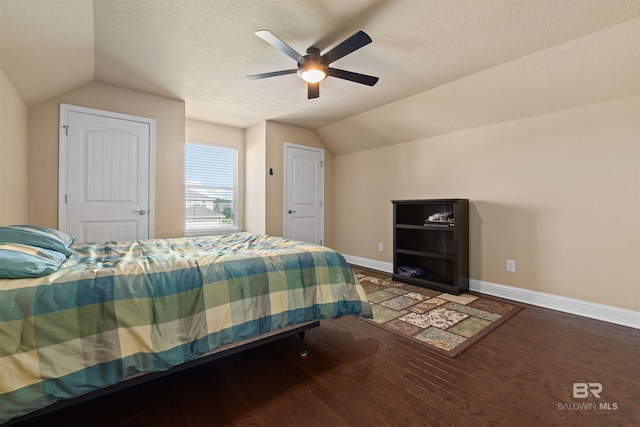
{"x":119,"y":308}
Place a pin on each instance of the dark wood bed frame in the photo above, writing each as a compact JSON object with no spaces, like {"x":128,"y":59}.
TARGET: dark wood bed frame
{"x":224,"y":351}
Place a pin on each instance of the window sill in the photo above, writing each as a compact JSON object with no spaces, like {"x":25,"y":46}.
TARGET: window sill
{"x":210,"y":232}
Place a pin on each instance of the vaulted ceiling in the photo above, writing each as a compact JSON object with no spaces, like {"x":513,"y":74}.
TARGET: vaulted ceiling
{"x":434,"y":58}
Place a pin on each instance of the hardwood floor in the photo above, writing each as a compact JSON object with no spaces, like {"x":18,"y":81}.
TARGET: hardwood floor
{"x":356,"y":374}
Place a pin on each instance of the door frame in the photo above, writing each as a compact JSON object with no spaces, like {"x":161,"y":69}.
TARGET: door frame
{"x":285,"y":176}
{"x":63,"y":147}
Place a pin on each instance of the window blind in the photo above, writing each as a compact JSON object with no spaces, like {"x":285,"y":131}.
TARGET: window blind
{"x":210,"y":188}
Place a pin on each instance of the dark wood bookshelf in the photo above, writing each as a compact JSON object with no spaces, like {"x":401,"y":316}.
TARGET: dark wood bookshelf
{"x":441,"y":250}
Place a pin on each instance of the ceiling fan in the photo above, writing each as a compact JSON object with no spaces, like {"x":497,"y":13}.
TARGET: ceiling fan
{"x":313,"y":67}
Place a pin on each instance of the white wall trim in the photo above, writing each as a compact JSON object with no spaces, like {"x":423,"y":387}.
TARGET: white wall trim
{"x":387,"y":267}
{"x":592,"y":310}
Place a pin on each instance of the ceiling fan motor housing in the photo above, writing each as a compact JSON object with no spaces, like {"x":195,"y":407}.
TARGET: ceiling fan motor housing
{"x":312,"y":61}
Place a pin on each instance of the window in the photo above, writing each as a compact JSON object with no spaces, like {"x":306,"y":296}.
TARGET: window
{"x":211,"y":190}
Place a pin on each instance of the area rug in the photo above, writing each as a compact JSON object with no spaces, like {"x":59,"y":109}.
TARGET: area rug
{"x":446,"y":323}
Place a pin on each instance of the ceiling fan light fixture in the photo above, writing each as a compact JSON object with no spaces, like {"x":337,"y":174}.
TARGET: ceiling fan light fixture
{"x":312,"y":75}
{"x":312,"y":70}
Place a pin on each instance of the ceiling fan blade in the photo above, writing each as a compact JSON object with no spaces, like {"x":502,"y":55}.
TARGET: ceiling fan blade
{"x":271,"y":74}
{"x":313,"y":90}
{"x":351,"y":44}
{"x":274,"y":41}
{"x":354,"y":77}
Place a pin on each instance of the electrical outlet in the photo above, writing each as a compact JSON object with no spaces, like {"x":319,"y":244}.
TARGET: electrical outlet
{"x":511,"y":266}
{"x":380,"y":247}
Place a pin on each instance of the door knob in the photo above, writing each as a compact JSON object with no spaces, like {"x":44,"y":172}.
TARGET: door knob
{"x":140,"y":212}
{"x":290,"y":211}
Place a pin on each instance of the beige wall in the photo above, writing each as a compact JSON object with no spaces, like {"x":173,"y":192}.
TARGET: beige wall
{"x":169,"y":115}
{"x":212,"y":133}
{"x":558,"y":193}
{"x":14,"y":190}
{"x":255,"y":179}
{"x":276,"y":135}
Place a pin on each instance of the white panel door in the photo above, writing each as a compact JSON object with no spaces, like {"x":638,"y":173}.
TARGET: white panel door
{"x":304,"y":193}
{"x":108,"y":177}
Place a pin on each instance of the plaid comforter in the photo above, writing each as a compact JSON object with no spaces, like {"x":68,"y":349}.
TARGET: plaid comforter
{"x":118,"y":308}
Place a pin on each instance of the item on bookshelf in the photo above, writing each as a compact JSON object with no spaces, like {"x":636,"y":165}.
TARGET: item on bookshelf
{"x":441,"y":218}
{"x":448,"y":223}
{"x":410,"y":271}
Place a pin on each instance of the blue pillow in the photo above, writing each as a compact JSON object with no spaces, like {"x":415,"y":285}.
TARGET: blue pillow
{"x":41,"y":237}
{"x":19,"y":261}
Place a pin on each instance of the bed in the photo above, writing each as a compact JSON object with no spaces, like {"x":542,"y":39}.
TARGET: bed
{"x":116,"y":312}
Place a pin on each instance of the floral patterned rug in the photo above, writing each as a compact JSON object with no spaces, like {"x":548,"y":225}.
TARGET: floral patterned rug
{"x":446,"y":323}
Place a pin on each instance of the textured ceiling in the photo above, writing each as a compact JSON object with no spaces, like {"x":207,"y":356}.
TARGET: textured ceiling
{"x":201,"y":51}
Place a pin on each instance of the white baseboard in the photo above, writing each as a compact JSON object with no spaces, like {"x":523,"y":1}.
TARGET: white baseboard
{"x":592,"y":310}
{"x":387,"y":267}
